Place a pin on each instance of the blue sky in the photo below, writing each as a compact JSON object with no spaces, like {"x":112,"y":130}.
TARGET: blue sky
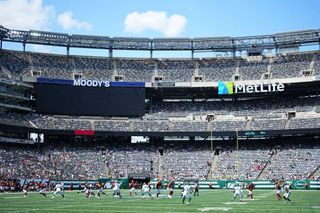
{"x":204,"y":17}
{"x":162,"y":18}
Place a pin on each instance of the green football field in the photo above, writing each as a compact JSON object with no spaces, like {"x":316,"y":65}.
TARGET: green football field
{"x":208,"y":201}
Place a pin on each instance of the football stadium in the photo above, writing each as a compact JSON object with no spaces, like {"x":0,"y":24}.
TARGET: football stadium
{"x":238,"y":131}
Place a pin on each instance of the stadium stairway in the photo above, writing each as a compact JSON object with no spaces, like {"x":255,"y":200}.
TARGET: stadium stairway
{"x":287,"y":124}
{"x":314,"y":108}
{"x":311,"y":66}
{"x":213,"y":165}
{"x":7,"y":73}
{"x":159,"y":166}
{"x":248,"y":124}
{"x":261,"y":174}
{"x":317,"y":170}
{"x":32,"y":124}
{"x":107,"y":168}
{"x":92,"y":124}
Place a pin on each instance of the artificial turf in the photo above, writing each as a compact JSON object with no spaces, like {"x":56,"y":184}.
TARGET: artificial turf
{"x":208,"y":201}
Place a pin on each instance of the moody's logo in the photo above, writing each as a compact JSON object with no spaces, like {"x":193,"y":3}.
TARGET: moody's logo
{"x":90,"y":83}
{"x":225,"y":88}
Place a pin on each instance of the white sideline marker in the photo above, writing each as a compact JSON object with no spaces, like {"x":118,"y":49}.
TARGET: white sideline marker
{"x":207,"y":209}
{"x":249,"y":199}
{"x":236,"y":203}
{"x":13,"y":197}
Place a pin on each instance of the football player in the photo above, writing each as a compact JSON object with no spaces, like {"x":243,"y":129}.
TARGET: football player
{"x":132,"y":187}
{"x":250,"y":190}
{"x":185,"y":194}
{"x":287,"y":194}
{"x":43,"y":188}
{"x":58,"y":189}
{"x":158,"y":187}
{"x":279,"y":189}
{"x":116,"y":189}
{"x":170,"y":188}
{"x":145,"y":189}
{"x":196,"y":188}
{"x":237,"y":192}
{"x":26,"y":189}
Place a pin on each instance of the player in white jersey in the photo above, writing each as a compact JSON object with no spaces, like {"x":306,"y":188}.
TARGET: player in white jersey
{"x":89,"y":191}
{"x":1,"y":188}
{"x":85,"y":190}
{"x":237,"y":192}
{"x":145,"y":189}
{"x":185,"y":194}
{"x":58,"y":189}
{"x":116,"y":189}
{"x":286,"y":195}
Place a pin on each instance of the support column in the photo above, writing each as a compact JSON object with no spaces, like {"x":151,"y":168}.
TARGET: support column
{"x":68,"y":50}
{"x":110,"y":53}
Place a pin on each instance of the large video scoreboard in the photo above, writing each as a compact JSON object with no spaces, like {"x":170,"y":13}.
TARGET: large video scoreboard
{"x":90,"y":97}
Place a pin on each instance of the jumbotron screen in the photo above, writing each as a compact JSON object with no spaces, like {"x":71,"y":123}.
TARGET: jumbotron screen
{"x":90,"y":101}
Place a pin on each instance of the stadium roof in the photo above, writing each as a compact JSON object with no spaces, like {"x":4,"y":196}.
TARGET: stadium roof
{"x":274,"y":41}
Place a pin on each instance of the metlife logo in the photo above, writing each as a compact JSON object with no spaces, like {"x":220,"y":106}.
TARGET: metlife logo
{"x":228,"y":88}
{"x":225,"y":88}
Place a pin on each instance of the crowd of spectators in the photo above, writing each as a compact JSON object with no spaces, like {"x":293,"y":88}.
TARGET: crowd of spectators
{"x":16,"y":63}
{"x":51,"y":161}
{"x":124,"y":159}
{"x":176,"y":70}
{"x":290,"y":66}
{"x":186,"y":162}
{"x":270,"y":124}
{"x":216,"y":69}
{"x":179,"y":160}
{"x":168,"y":124}
{"x":292,"y":162}
{"x":245,"y":162}
{"x":14,"y":120}
{"x":250,"y":107}
{"x":187,"y":116}
{"x":287,"y":160}
{"x":135,"y":69}
{"x":9,"y":186}
{"x":253,"y":70}
{"x":310,"y":122}
{"x":89,"y":162}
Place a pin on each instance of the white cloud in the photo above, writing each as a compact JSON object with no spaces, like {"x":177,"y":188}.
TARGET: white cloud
{"x":136,"y":22}
{"x":66,"y":21}
{"x":26,"y":14}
